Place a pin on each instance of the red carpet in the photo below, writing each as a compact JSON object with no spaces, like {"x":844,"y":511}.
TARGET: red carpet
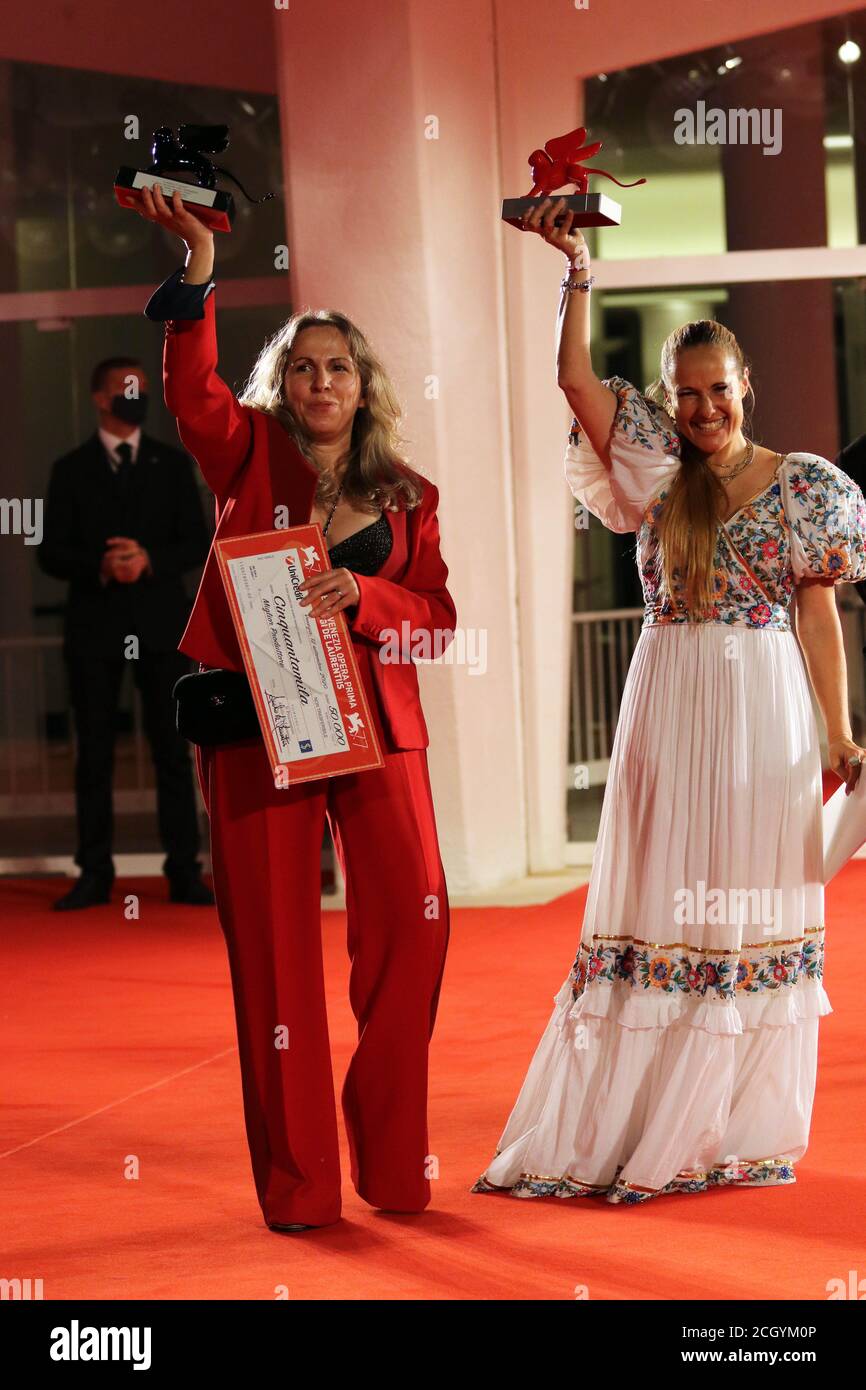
{"x":119,"y":1051}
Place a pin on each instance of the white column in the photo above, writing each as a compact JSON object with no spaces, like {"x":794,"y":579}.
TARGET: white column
{"x":392,"y":183}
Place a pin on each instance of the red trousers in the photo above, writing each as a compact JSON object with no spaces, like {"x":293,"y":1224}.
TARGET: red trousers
{"x":266,"y":850}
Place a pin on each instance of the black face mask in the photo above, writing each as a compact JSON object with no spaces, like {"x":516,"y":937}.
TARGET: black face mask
{"x":132,"y":410}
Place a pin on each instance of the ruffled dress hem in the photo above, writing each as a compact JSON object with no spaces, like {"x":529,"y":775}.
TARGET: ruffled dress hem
{"x":776,"y":1005}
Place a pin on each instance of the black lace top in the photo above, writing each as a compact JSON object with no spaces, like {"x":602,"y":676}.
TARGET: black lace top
{"x":366,"y":551}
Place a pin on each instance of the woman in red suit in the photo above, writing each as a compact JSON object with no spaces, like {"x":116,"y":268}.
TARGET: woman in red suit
{"x":312,"y":439}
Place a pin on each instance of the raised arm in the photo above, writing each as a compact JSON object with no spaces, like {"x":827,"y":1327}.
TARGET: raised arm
{"x":212,"y":424}
{"x":592,"y":403}
{"x":622,"y":447}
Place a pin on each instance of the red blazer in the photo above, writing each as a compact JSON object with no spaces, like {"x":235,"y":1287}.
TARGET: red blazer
{"x":252,"y":465}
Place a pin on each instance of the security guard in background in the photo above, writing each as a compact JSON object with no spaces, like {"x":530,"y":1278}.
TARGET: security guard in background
{"x":123,"y":523}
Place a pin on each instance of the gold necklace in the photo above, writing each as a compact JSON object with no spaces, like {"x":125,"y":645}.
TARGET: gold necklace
{"x":741,"y":467}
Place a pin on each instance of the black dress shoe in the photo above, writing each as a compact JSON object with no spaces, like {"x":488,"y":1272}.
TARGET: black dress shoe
{"x":190,"y":890}
{"x":88,"y":890}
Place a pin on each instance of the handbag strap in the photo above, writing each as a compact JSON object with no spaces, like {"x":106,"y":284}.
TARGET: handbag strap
{"x":784,"y":492}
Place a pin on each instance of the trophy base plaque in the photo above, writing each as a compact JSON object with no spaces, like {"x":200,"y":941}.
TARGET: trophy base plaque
{"x":593,"y":209}
{"x":212,"y":206}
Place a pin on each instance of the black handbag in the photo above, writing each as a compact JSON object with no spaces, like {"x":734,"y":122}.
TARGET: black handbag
{"x":215,"y":707}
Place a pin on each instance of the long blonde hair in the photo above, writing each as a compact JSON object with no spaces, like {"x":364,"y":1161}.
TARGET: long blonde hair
{"x":688,"y":522}
{"x":376,"y":474}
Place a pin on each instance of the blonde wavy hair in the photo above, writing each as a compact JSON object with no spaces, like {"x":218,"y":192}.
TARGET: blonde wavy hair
{"x":687,"y":524}
{"x":377,"y":476}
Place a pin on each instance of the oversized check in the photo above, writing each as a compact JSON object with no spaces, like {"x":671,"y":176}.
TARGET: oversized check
{"x":312,"y":707}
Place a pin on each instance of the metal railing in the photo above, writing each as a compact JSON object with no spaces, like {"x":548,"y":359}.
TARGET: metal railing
{"x":601,"y":650}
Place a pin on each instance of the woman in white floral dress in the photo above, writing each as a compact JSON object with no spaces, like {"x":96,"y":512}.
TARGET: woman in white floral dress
{"x":681,"y":1052}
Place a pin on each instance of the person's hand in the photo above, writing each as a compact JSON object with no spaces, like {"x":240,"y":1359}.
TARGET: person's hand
{"x":330,"y":593}
{"x":120,"y":548}
{"x":128,"y":571}
{"x":841,"y":749}
{"x":565,"y":238}
{"x":124,"y":561}
{"x":176,"y":218}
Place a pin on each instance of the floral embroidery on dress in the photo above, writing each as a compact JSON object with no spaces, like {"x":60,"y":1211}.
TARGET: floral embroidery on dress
{"x":698,"y":972}
{"x":638,"y":419}
{"x":826,"y":510}
{"x":762,"y":1172}
{"x":760,"y":535}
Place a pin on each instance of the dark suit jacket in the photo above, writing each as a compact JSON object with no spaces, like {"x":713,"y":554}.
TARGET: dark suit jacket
{"x":169,"y":523}
{"x":852,"y":460}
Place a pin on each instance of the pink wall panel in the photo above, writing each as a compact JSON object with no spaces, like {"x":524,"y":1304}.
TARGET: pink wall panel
{"x":218,"y":43}
{"x":622,"y":33}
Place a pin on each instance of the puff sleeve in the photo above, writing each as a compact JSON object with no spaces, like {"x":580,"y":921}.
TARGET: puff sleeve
{"x":826,"y":513}
{"x":644,"y":455}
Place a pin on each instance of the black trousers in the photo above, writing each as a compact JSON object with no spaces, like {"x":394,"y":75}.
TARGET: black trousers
{"x":95,"y":681}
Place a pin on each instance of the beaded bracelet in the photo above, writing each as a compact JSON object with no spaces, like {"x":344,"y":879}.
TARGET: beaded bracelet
{"x":567,"y":284}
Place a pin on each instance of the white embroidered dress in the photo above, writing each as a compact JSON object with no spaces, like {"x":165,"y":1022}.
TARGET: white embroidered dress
{"x":682,"y":1047}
